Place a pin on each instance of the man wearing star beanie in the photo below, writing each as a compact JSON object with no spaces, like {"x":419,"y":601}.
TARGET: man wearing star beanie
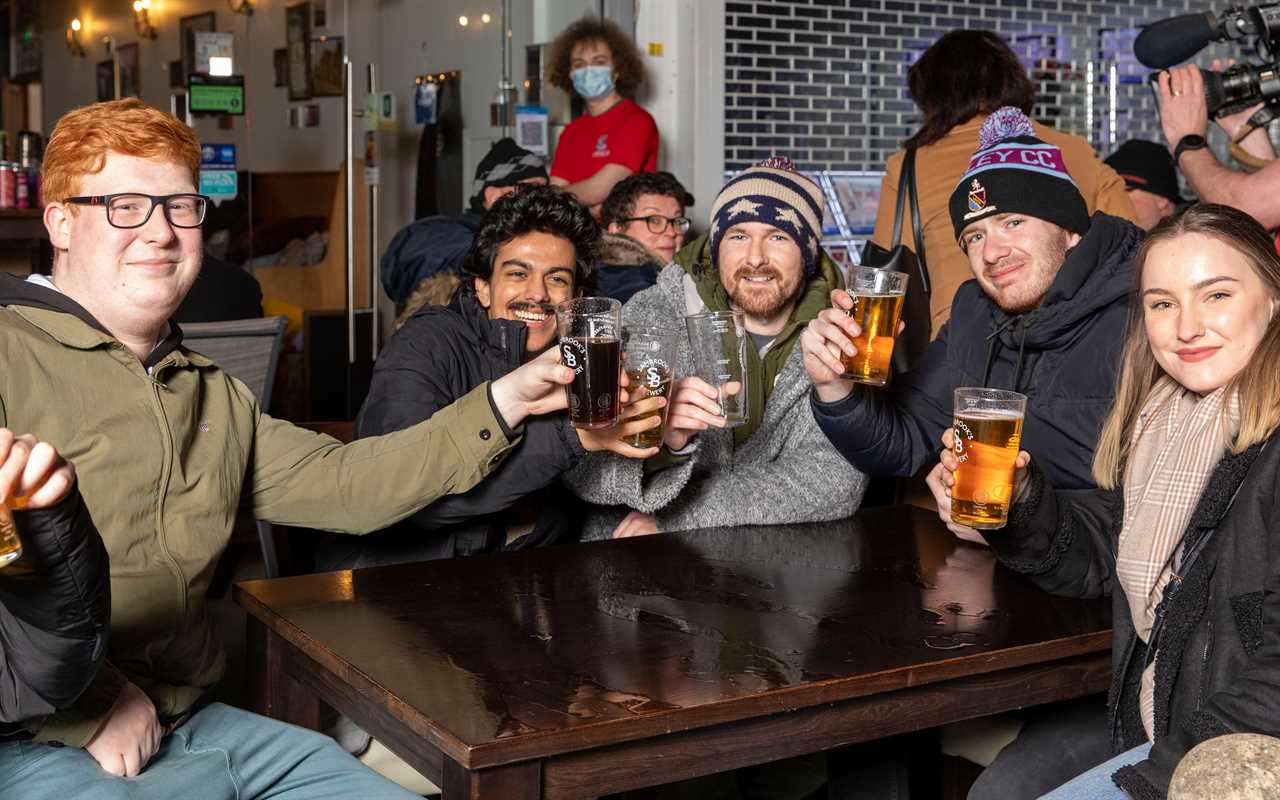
{"x":1044,"y":315}
{"x":761,"y":256}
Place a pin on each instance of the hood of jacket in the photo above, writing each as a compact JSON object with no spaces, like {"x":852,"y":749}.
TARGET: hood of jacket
{"x":617,"y":250}
{"x":1094,"y":274}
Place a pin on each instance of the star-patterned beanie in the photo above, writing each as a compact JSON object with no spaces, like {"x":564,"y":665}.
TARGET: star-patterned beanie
{"x":1015,"y":172}
{"x":772,"y":192}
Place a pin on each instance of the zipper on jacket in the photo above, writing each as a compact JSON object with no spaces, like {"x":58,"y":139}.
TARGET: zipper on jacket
{"x":170,"y":458}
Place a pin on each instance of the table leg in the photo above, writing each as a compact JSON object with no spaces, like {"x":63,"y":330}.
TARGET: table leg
{"x":273,"y":691}
{"x":522,"y":781}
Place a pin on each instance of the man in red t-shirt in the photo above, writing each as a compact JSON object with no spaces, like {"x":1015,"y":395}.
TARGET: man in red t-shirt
{"x":615,"y":138}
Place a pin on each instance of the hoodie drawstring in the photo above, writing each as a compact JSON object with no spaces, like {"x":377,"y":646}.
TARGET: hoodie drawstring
{"x":1024,"y":322}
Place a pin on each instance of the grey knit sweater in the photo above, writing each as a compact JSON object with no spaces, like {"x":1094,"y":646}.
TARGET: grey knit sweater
{"x":785,"y":472}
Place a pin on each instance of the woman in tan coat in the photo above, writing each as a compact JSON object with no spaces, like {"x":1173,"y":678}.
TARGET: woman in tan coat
{"x":958,"y":81}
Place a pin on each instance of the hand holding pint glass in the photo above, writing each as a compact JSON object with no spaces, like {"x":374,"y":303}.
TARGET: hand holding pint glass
{"x":878,"y":295}
{"x":719,"y":341}
{"x":985,"y":437}
{"x":32,"y":475}
{"x":649,"y":357}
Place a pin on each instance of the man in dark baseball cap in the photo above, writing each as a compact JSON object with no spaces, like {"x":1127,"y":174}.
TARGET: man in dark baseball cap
{"x":1151,"y":178}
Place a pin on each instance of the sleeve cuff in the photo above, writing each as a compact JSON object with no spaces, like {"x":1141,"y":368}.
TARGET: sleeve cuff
{"x":836,"y":407}
{"x":506,"y":431}
{"x":76,"y":726}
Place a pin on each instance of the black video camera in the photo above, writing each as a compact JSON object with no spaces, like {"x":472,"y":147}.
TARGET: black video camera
{"x":1172,"y":41}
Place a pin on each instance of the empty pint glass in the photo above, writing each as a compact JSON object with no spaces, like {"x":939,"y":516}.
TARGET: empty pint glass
{"x":878,"y":295}
{"x":590,"y":328}
{"x":987,"y":433}
{"x":10,"y":544}
{"x":719,"y":341}
{"x":649,"y":356}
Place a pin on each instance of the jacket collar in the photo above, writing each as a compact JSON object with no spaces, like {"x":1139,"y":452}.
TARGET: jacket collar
{"x":506,"y":335}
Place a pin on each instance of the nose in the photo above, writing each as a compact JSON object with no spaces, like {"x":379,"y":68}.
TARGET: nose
{"x":536,"y":292}
{"x":994,"y":248}
{"x":157,"y":230}
{"x":755,"y":252}
{"x":1190,"y":326}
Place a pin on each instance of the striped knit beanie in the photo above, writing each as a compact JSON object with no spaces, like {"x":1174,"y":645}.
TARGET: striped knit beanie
{"x":1014,"y":172}
{"x":774,"y":193}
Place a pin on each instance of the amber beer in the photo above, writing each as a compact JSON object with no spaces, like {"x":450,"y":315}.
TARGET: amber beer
{"x":987,"y":434}
{"x":878,"y":296}
{"x":878,"y":316}
{"x":652,"y":380}
{"x":10,"y":544}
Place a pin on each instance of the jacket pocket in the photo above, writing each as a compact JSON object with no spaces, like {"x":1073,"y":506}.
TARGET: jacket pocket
{"x":1247,"y":611}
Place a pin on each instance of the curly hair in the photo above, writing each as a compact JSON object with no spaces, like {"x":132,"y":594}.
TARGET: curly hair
{"x":621,"y":202}
{"x":83,"y":137}
{"x":626,"y":56}
{"x":963,"y":74}
{"x":537,"y":209}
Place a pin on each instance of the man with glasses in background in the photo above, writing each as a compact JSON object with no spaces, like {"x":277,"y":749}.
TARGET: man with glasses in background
{"x":645,"y":225}
{"x":167,"y":447}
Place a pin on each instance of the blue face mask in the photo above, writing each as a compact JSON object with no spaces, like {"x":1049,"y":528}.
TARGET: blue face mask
{"x":592,"y":82}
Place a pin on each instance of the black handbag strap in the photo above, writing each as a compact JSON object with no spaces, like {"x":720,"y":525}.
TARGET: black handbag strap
{"x":907,"y":191}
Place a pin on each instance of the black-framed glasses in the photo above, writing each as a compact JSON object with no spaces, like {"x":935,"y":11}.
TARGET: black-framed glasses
{"x":132,"y":210}
{"x":658,"y":223}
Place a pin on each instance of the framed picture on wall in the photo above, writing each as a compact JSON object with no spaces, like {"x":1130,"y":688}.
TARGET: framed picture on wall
{"x":127,"y":59}
{"x":188,"y":27}
{"x":280,"y":65}
{"x":319,"y":14}
{"x":326,"y":66}
{"x":297,"y":37}
{"x":105,"y":73}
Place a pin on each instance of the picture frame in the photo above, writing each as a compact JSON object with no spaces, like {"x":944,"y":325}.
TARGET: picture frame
{"x":187,"y":28}
{"x":319,"y":15}
{"x":105,"y":75}
{"x":127,"y":64}
{"x":280,"y":63}
{"x":297,"y":28}
{"x":326,"y":66}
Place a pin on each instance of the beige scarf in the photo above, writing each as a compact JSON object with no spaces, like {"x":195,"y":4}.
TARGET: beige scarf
{"x":1178,"y":439}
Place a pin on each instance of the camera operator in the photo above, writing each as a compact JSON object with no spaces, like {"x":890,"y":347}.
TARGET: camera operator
{"x":1184,"y":117}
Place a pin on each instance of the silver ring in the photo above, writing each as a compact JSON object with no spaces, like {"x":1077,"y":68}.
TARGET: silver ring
{"x":1177,"y":93}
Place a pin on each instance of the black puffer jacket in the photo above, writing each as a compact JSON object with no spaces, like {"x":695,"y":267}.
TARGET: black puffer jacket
{"x":1062,"y":355}
{"x":440,"y":354}
{"x":55,"y":608}
{"x":1218,"y":669}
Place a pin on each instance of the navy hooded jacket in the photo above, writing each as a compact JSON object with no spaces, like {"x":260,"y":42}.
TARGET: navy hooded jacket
{"x":1064,"y":355}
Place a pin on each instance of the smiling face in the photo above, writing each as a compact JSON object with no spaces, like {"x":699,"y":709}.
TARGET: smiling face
{"x":761,"y":268}
{"x":1015,"y":258}
{"x":531,"y":274}
{"x":130,"y":280}
{"x":664,"y":244}
{"x":1205,"y":310}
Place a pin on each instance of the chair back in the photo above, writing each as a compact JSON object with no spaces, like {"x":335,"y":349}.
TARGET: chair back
{"x":248,"y":349}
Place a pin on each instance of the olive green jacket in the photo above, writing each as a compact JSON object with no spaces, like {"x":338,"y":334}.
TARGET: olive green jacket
{"x":166,"y":457}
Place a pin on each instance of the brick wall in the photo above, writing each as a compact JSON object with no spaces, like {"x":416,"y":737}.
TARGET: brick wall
{"x":824,"y":81}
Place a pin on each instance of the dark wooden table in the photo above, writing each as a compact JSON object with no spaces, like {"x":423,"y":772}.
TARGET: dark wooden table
{"x":582,"y":670}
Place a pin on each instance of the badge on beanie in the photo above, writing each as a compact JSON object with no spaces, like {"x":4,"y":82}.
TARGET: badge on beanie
{"x":977,"y":200}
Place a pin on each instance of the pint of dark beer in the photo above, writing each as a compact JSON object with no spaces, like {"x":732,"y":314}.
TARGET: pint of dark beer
{"x":986,"y":438}
{"x":649,"y":357}
{"x":878,"y":295}
{"x":590,"y":345}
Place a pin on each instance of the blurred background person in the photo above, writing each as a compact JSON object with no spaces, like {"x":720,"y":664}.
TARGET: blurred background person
{"x":1150,"y":178}
{"x":645,"y":225}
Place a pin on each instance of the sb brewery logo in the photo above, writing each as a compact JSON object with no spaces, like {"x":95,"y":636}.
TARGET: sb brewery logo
{"x":653,"y":375}
{"x":574,"y":354}
{"x":960,"y":434}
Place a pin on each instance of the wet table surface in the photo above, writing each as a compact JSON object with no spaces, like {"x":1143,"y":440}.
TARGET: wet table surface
{"x":567,"y":661}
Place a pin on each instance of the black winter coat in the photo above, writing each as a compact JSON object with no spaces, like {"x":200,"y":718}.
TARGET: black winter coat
{"x":439,"y":355}
{"x":1063,"y":355}
{"x":1218,"y":669}
{"x":55,"y":610}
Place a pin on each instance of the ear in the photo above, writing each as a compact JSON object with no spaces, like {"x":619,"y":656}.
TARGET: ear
{"x":614,"y":228}
{"x":491,"y":195}
{"x":483,"y":292}
{"x":57,"y":221}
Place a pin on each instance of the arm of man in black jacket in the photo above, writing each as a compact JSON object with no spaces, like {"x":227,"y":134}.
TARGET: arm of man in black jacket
{"x":407,"y":388}
{"x":55,"y":600}
{"x":891,"y":431}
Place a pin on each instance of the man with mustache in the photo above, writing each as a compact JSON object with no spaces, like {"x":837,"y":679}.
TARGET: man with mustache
{"x":535,"y":248}
{"x":761,"y":256}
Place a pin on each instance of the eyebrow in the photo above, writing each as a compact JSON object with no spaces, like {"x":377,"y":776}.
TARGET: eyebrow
{"x":1195,"y":287}
{"x":772,"y":229}
{"x":515,"y":262}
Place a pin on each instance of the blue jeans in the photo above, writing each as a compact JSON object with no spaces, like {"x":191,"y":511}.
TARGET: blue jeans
{"x":1096,"y":784}
{"x":221,"y":753}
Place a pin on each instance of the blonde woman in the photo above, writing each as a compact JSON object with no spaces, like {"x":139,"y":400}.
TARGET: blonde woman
{"x":1184,"y":531}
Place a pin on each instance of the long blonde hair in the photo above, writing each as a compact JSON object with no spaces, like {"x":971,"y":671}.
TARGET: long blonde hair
{"x":1257,"y":385}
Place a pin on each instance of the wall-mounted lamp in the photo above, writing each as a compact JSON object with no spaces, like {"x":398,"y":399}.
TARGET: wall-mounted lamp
{"x":74,"y":47}
{"x":142,"y":19}
{"x":241,"y":6}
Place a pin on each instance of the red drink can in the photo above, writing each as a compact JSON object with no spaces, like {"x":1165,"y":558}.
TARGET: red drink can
{"x":8,"y":185}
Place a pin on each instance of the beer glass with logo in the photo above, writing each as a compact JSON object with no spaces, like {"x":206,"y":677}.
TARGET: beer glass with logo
{"x":590,"y":345}
{"x":878,"y":295}
{"x":986,"y":436}
{"x":719,"y":341}
{"x":10,"y":544}
{"x":649,"y":356}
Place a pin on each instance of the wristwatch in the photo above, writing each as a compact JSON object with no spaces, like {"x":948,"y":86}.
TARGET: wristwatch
{"x":1192,"y":141}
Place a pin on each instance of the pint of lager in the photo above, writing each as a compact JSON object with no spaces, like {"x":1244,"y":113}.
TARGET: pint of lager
{"x":10,"y":544}
{"x":878,"y":296}
{"x":986,"y":436}
{"x":649,"y":357}
{"x":589,"y":330}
